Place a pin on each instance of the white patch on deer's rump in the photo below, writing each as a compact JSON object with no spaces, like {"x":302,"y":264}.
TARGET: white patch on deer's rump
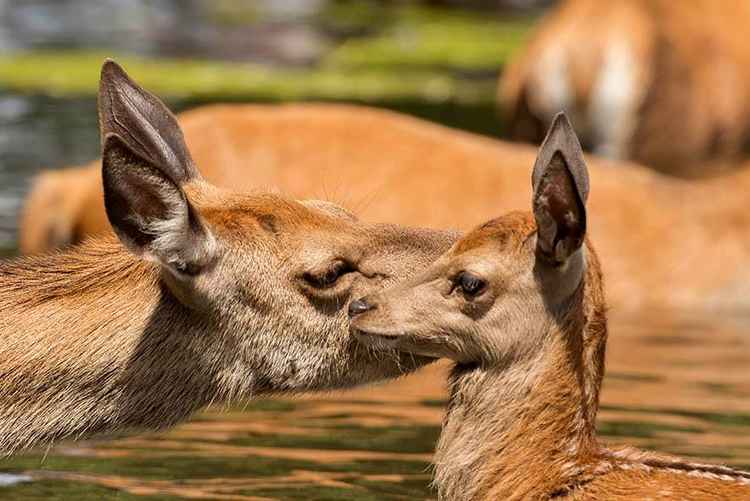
{"x":615,"y":101}
{"x":551,"y":91}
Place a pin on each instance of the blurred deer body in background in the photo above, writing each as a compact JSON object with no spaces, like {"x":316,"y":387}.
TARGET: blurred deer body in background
{"x":518,"y":305}
{"x":665,"y":242}
{"x":210,"y":295}
{"x":662,"y":83}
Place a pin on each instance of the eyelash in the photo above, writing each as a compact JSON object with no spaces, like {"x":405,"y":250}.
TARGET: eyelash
{"x":330,"y":277}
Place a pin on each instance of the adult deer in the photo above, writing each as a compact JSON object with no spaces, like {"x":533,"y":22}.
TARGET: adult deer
{"x":209,"y":295}
{"x":665,"y":242}
{"x":518,"y":305}
{"x":662,"y":83}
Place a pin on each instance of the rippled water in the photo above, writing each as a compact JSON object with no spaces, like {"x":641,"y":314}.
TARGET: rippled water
{"x":674,"y":384}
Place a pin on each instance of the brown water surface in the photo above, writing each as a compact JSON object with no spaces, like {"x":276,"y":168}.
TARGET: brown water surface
{"x":674,"y":383}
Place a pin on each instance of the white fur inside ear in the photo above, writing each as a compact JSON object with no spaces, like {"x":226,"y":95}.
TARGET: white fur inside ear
{"x":614,"y":101}
{"x":175,"y":244}
{"x":551,"y":88}
{"x":169,"y":233}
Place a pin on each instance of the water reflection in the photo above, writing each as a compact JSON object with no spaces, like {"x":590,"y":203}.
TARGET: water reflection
{"x":674,"y":383}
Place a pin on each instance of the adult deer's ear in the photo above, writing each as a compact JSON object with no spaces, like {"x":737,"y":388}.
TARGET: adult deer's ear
{"x":561,"y":186}
{"x":145,"y":163}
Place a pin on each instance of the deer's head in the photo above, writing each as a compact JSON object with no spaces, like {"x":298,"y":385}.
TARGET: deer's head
{"x":269,"y":277}
{"x":497,"y":290}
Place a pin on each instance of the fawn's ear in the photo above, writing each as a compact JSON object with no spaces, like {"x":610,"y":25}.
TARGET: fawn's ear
{"x":561,"y":186}
{"x":145,"y":162}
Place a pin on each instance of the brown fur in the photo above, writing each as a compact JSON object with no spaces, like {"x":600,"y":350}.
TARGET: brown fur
{"x":55,"y":212}
{"x":664,"y":242}
{"x":529,"y":349}
{"x":679,"y":98}
{"x":97,"y":339}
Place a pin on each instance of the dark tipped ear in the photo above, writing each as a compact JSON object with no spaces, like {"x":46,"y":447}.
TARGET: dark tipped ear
{"x":561,"y":187}
{"x":143,"y":123}
{"x":144,"y":163}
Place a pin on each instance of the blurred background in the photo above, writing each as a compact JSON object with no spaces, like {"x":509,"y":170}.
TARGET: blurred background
{"x":438,"y":60}
{"x":678,"y":384}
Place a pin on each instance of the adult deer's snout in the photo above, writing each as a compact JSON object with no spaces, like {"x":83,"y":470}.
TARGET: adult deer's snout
{"x":359,"y":306}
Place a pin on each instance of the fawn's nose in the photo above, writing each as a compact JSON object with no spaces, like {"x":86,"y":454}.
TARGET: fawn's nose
{"x":359,"y":306}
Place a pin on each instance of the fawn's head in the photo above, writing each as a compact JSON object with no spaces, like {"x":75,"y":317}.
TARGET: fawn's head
{"x":269,"y":276}
{"x":515,"y":275}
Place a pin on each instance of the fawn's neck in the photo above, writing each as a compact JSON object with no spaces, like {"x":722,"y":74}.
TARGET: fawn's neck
{"x":527,"y":429}
{"x":90,"y":342}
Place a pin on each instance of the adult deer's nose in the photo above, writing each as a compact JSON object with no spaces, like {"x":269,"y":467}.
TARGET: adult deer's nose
{"x":359,"y":306}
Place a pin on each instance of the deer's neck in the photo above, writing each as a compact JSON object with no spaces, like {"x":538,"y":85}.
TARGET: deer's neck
{"x":524,"y":430}
{"x":90,"y":342}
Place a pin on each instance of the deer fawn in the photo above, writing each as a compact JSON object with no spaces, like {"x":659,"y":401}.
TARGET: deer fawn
{"x":518,"y":304}
{"x":208,"y":296}
{"x":663,"y":83}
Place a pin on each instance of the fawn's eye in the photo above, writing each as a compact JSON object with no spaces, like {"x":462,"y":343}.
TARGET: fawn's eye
{"x":470,"y":284}
{"x":327,"y":278}
{"x":187,"y":269}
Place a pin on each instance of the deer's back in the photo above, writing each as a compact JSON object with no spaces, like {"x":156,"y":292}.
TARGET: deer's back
{"x":652,"y":232}
{"x":636,"y":484}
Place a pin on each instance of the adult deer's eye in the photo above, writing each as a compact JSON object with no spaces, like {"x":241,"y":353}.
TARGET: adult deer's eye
{"x":328,"y":277}
{"x":470,"y":284}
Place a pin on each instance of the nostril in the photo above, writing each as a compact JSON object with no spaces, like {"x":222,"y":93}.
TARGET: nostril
{"x":359,"y":306}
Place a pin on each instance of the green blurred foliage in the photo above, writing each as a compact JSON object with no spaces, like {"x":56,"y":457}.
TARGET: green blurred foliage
{"x":400,"y":53}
